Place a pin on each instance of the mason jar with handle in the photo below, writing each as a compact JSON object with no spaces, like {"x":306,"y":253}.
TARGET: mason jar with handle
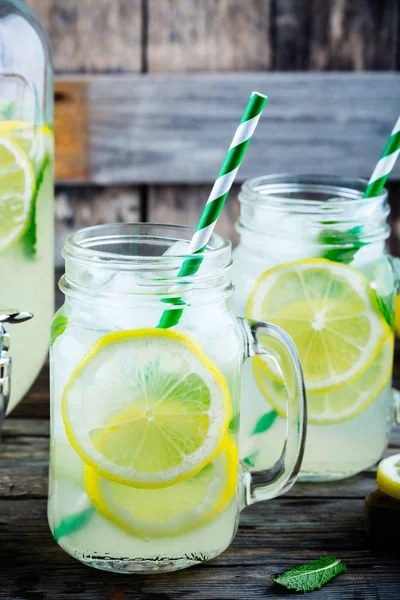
{"x":312,"y":260}
{"x":26,"y":190}
{"x":144,"y":471}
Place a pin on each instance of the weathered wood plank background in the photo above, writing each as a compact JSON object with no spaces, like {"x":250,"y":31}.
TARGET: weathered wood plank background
{"x":124,"y":65}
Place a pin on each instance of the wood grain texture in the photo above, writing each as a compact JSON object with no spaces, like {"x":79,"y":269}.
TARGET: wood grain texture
{"x":78,"y":207}
{"x":271,"y":539}
{"x":93,"y":35}
{"x":169,"y":129}
{"x":71,"y":124}
{"x":208,"y":35}
{"x":183,"y":204}
{"x":354,"y":35}
{"x":337,"y":35}
{"x":309,"y":521}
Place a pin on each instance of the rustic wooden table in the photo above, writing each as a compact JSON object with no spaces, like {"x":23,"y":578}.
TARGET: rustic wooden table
{"x":309,"y":521}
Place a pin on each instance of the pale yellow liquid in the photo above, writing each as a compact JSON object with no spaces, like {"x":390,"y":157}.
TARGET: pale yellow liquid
{"x":333,"y":451}
{"x":98,"y":541}
{"x":27,"y":284}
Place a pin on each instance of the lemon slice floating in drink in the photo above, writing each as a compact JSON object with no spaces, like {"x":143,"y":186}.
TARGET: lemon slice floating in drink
{"x":341,"y":403}
{"x":17,"y":184}
{"x":171,"y":510}
{"x":332,"y":314}
{"x":146,"y":408}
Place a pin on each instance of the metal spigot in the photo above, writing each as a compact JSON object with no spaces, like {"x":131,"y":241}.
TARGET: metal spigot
{"x":12,"y":317}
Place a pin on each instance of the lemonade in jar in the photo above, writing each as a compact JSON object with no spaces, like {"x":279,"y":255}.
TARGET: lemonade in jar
{"x":312,"y":260}
{"x":26,"y":189}
{"x":144,"y":460}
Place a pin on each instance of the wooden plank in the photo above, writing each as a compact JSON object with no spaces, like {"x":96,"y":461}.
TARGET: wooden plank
{"x":291,"y":33}
{"x":169,"y":129}
{"x":71,"y":124}
{"x":36,"y":404}
{"x":93,"y":35}
{"x":13,"y":427}
{"x":183,"y":205}
{"x":204,"y":35}
{"x":78,"y":207}
{"x":353,"y":36}
{"x":271,"y":539}
{"x":341,"y":34}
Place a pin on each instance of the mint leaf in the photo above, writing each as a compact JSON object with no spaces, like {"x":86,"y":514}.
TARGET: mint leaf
{"x":265,"y":422}
{"x":234,"y":424}
{"x":58,"y":327}
{"x":332,"y":237}
{"x":250,"y":460}
{"x":346,"y":255}
{"x":73,"y":523}
{"x":386,"y":311}
{"x":29,"y":238}
{"x":311,"y":576}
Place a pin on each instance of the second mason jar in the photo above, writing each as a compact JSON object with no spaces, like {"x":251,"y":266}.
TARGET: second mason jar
{"x":312,"y":259}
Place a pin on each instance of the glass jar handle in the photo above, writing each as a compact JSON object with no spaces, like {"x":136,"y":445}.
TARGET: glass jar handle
{"x":272,"y":482}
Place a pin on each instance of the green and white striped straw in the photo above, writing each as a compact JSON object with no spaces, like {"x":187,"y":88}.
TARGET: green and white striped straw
{"x":218,"y":196}
{"x":385,"y":164}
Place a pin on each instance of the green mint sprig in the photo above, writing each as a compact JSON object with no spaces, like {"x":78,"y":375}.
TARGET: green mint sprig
{"x":332,"y":237}
{"x":58,"y":327}
{"x":313,"y":575}
{"x":29,"y":238}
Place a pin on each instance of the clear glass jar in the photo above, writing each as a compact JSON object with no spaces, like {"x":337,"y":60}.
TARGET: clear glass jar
{"x":312,"y":259}
{"x":26,"y":188}
{"x":129,"y":399}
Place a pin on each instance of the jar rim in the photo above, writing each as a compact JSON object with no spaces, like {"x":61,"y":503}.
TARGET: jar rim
{"x":347,"y":190}
{"x":282,"y":204}
{"x":85,"y":245}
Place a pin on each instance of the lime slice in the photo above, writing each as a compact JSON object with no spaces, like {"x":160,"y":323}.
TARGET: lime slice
{"x":171,"y":510}
{"x":331,"y":313}
{"x":146,"y":408}
{"x":17,"y":184}
{"x":341,"y":403}
{"x":388,"y":476}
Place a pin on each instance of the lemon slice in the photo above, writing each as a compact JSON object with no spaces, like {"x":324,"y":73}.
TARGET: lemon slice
{"x":17,"y":184}
{"x":35,"y":141}
{"x":146,"y":408}
{"x":330,"y":311}
{"x":341,"y":403}
{"x":171,"y":510}
{"x":388,"y":476}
